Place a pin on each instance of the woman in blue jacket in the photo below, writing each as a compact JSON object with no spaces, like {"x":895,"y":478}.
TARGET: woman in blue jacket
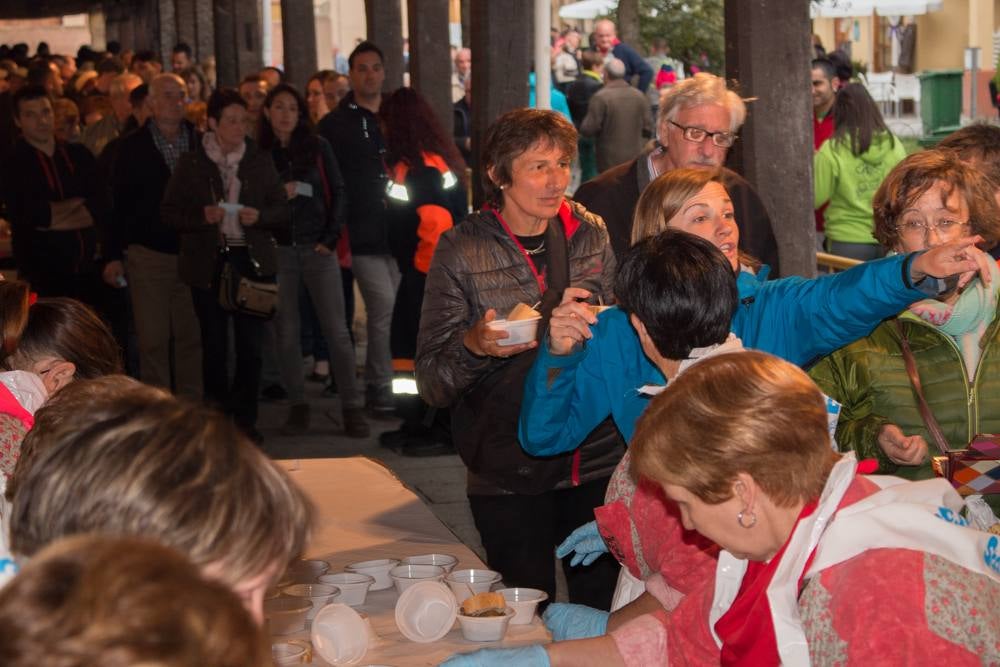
{"x":591,"y":367}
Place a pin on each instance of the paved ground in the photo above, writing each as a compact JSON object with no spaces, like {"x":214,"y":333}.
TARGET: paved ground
{"x":439,"y":480}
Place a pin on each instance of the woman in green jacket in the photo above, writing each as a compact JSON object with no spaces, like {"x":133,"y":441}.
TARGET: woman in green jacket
{"x":849,"y":167}
{"x":928,"y":199}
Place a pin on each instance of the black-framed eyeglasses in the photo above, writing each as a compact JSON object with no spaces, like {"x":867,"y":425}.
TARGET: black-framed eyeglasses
{"x":697,"y":135}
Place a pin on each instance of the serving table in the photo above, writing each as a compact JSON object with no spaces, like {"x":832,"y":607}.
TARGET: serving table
{"x":364,"y":512}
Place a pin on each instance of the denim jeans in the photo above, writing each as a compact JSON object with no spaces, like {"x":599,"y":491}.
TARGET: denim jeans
{"x":378,"y":279}
{"x":298,"y":266}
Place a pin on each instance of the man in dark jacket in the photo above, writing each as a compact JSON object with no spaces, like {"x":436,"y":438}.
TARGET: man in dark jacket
{"x":697,"y":123}
{"x":162,"y":304}
{"x":353,"y":131}
{"x":607,"y":44}
{"x":53,"y":202}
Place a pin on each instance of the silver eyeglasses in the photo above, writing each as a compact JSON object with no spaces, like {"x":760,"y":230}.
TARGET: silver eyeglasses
{"x":915,"y":228}
{"x":698,"y":135}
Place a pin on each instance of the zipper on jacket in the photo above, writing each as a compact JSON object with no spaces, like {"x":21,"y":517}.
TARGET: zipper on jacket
{"x":972,"y":405}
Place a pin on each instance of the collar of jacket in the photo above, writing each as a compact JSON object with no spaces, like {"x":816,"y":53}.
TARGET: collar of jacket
{"x":567,"y":216}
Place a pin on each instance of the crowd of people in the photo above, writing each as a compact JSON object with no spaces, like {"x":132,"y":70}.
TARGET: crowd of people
{"x":704,"y":444}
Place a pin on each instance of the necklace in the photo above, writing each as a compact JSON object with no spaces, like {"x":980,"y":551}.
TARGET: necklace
{"x":534,"y":251}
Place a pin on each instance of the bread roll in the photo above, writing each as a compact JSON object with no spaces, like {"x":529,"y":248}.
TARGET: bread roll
{"x":522,"y":311}
{"x":482,"y":601}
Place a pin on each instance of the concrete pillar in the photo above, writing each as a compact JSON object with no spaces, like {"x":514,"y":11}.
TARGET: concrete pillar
{"x":500,"y":66}
{"x":385,"y":29}
{"x":187,"y":31}
{"x":773,"y":151}
{"x":237,"y":40}
{"x":430,"y":62}
{"x":298,"y":33}
{"x":204,"y":30}
{"x":166,"y":34}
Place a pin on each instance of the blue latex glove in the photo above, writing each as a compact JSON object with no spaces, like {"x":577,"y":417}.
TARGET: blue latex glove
{"x":574,"y":621}
{"x":586,"y":542}
{"x":526,"y":656}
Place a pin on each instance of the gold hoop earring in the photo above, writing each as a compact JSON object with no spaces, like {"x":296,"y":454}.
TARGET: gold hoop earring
{"x":749,"y":516}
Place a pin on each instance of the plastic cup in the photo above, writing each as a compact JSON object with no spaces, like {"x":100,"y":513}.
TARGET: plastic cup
{"x":518,"y":331}
{"x":340,"y":635}
{"x":466,"y":583}
{"x":353,"y":586}
{"x":286,"y":615}
{"x":319,"y":595}
{"x":523,"y":601}
{"x":485,"y":628}
{"x":447,"y":561}
{"x":290,"y":653}
{"x":404,"y":576}
{"x":426,"y":611}
{"x":377,"y":569}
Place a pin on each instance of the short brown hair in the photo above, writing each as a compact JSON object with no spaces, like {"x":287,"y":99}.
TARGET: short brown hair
{"x":90,"y":600}
{"x":514,"y":133}
{"x":77,"y":406}
{"x":979,"y":142}
{"x":167,"y":470}
{"x":917,"y":174}
{"x":747,"y":412}
{"x":69,"y":330}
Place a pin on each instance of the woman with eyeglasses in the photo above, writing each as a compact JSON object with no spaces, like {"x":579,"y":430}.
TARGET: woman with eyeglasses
{"x":930,"y":198}
{"x":848,"y":168}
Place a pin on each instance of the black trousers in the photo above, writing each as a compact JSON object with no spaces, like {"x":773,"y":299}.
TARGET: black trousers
{"x":238,"y":399}
{"x":521,"y":532}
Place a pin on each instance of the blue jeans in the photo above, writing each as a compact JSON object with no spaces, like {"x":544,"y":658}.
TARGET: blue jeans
{"x":378,"y":279}
{"x":298,"y":266}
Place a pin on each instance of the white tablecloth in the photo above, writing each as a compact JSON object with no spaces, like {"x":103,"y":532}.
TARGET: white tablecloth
{"x":365,"y":512}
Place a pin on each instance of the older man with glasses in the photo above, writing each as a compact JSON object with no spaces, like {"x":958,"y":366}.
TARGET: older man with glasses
{"x":696,"y":125}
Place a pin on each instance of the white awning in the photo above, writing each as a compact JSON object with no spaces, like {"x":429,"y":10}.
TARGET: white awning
{"x":851,"y":8}
{"x":587,"y":9}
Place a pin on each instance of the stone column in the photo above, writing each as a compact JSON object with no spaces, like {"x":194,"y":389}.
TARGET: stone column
{"x":298,"y":32}
{"x":430,"y":63}
{"x":500,"y":66}
{"x":774,"y":151}
{"x":237,"y":40}
{"x":385,"y":29}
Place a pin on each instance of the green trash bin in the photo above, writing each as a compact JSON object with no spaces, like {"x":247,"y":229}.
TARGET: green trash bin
{"x":940,"y":101}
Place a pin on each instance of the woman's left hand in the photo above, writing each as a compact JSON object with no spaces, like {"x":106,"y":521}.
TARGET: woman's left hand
{"x":960,"y":257}
{"x":321,"y":249}
{"x":249,"y":216}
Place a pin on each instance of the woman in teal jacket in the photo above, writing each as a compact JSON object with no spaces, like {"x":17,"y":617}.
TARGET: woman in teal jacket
{"x":592,"y":367}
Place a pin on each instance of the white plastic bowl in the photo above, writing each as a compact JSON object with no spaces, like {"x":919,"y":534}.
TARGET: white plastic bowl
{"x":426,"y":611}
{"x":523,"y":601}
{"x":290,"y":653}
{"x":447,"y":561}
{"x":485,"y":628}
{"x":353,"y":586}
{"x":340,"y":635}
{"x":404,"y":576}
{"x":319,"y":595}
{"x":466,"y":583}
{"x":286,"y":615}
{"x":377,"y":569}
{"x":518,"y":331}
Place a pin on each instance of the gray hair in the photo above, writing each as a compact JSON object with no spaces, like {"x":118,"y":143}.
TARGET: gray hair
{"x":702,"y":88}
{"x":614,"y":69}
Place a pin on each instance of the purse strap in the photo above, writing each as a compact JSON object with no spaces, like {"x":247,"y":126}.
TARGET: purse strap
{"x":933,"y":427}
